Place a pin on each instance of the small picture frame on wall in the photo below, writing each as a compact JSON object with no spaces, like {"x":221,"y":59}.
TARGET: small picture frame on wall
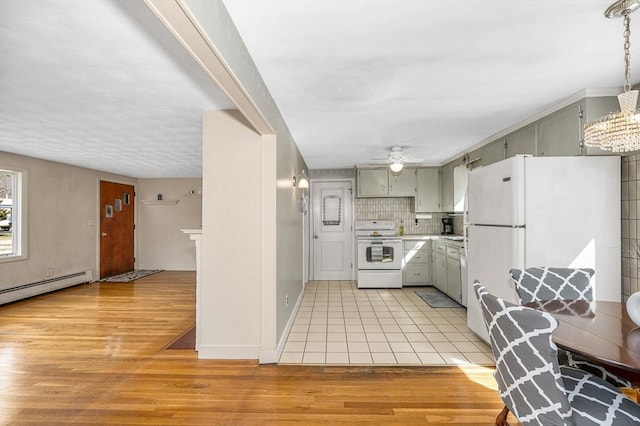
{"x":108,"y":210}
{"x":127,"y":198}
{"x":118,"y":205}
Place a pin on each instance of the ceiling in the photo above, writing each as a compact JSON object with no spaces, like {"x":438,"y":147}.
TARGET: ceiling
{"x":102,"y":84}
{"x":355,"y":78}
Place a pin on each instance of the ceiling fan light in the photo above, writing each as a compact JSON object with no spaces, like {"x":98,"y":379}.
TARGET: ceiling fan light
{"x":396,"y":167}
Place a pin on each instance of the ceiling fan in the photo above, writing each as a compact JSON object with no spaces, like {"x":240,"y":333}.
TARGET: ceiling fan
{"x":397,"y":159}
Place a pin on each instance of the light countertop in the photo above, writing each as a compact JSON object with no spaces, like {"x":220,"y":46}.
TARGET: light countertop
{"x":453,"y":238}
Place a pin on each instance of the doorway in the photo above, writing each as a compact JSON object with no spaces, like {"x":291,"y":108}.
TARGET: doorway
{"x":117,"y":228}
{"x":332,"y":230}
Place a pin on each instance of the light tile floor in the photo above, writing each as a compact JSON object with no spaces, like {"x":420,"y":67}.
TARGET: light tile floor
{"x":337,"y":323}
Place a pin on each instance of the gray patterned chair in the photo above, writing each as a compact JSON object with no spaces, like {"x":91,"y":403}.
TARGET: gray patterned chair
{"x":534,"y":284}
{"x":545,"y":284}
{"x":532,"y":384}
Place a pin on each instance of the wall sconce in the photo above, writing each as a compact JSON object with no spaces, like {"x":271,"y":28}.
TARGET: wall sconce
{"x":301,"y":181}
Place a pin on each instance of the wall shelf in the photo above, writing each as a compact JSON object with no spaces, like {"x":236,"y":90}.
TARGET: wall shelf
{"x":167,"y":202}
{"x":193,"y":195}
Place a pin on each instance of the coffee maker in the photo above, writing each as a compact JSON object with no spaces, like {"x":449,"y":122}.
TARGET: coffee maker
{"x":447,"y":226}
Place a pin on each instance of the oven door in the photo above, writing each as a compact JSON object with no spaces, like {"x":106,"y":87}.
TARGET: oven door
{"x":379,"y":254}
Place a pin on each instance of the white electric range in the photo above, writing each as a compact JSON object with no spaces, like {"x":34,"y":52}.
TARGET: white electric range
{"x":379,"y":254}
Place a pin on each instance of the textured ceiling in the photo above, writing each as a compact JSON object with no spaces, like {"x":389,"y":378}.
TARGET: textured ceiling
{"x":101,"y":84}
{"x":353,"y":78}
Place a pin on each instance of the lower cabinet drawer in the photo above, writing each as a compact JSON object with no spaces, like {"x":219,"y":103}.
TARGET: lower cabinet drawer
{"x":414,"y":274}
{"x":453,"y":252}
{"x":417,"y":256}
{"x":440,"y":248}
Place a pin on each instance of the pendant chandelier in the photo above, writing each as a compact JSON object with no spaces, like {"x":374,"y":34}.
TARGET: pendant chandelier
{"x":620,"y":131}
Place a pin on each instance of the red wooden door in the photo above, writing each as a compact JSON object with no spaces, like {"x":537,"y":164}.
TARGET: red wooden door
{"x":116,"y":228}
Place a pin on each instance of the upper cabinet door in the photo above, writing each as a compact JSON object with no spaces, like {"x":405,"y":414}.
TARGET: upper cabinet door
{"x":522,"y":141}
{"x":428,"y":192}
{"x":403,"y":185}
{"x":493,"y":152}
{"x":460,"y":179}
{"x":560,"y":133}
{"x":373,"y":183}
{"x":597,"y":107}
{"x":446,"y":188}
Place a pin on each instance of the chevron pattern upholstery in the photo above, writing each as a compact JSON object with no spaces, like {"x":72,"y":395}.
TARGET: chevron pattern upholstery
{"x":561,"y":286}
{"x":531,"y":382}
{"x":535,"y":284}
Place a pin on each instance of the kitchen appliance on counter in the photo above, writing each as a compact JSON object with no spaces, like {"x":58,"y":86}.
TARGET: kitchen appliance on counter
{"x":542,"y":211}
{"x":379,"y":254}
{"x":447,"y":226}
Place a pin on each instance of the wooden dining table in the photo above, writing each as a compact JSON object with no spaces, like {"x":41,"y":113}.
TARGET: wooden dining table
{"x":600,"y":331}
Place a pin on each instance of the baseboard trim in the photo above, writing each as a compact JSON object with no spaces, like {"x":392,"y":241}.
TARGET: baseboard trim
{"x":272,"y":356}
{"x":168,"y":267}
{"x":228,"y":352}
{"x":23,"y":291}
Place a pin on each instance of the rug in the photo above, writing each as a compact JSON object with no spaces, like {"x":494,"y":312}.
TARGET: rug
{"x":437,"y":299}
{"x":130,"y":276}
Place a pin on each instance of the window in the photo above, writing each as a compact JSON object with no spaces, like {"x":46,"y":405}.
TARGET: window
{"x":12,"y":212}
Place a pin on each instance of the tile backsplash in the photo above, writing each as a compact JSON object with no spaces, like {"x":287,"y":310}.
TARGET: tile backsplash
{"x":630,"y":198}
{"x":401,"y":209}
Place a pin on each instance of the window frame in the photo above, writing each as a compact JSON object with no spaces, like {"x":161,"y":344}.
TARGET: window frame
{"x":18,"y":214}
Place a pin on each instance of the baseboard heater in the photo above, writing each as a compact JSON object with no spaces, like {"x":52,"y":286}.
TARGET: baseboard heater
{"x":40,"y":287}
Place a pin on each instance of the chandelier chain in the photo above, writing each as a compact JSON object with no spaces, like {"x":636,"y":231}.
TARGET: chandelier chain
{"x":619,"y":131}
{"x":627,"y":46}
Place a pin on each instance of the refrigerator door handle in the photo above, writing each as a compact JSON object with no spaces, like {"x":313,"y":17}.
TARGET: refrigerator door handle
{"x":465,"y":223}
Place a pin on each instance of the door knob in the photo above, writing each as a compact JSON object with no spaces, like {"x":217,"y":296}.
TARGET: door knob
{"x":103,"y":234}
{"x":315,"y":237}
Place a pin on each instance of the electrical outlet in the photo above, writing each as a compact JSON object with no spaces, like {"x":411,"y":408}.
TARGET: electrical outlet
{"x":286,"y":300}
{"x":49,"y":272}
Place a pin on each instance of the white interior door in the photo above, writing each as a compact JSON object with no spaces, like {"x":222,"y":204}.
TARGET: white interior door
{"x":332,"y":230}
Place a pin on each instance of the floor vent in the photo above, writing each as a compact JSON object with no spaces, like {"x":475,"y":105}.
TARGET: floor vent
{"x":39,"y":287}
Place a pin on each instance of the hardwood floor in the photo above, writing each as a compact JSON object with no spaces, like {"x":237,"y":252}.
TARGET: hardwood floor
{"x":96,"y":354}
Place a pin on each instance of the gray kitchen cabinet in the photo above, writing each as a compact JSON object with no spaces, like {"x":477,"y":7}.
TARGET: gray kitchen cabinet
{"x":373,"y":182}
{"x":596,"y":108}
{"x":403,"y":185}
{"x":522,"y":141}
{"x":493,"y":152}
{"x":460,"y":180}
{"x":446,"y":269}
{"x":417,"y":263}
{"x":428,"y":190}
{"x":440,"y":266}
{"x":454,"y":283}
{"x":446,"y":188}
{"x":560,"y":133}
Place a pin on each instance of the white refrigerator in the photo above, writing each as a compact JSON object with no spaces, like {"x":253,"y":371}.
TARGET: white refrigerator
{"x":542,"y":211}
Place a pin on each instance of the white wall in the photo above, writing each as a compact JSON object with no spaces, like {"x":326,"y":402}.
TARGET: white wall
{"x":282,"y":233}
{"x":161,"y":244}
{"x":231,"y":274}
{"x":63,"y":221}
{"x":289,"y":233}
